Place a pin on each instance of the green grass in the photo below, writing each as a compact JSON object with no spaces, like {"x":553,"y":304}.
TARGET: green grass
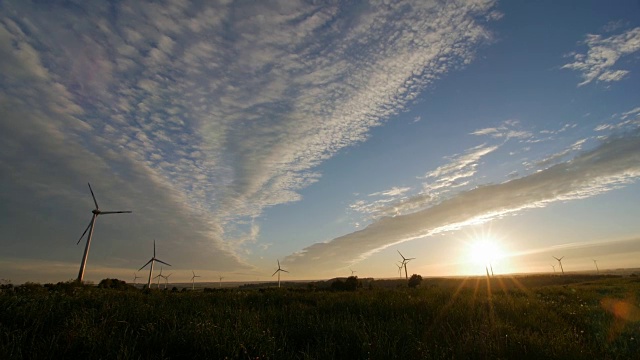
{"x":531,"y":318}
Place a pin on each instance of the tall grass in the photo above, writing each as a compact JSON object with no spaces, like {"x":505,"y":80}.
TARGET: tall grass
{"x":459,"y":319}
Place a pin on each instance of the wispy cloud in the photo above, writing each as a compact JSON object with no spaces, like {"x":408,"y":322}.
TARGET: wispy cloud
{"x":198,"y":115}
{"x":603,"y":54}
{"x":612,"y":164}
{"x":507,"y":130}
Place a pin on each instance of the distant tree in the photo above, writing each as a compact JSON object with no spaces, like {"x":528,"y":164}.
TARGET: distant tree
{"x":415,"y":280}
{"x":114,"y":284}
{"x":351,"y":284}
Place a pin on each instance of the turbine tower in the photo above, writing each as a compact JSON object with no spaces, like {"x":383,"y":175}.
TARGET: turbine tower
{"x":404,"y":262}
{"x":152,"y":261}
{"x":560,"y":262}
{"x":596,"y":262}
{"x":278,"y":272}
{"x":193,"y":280}
{"x":90,"y":228}
{"x":491,"y":266}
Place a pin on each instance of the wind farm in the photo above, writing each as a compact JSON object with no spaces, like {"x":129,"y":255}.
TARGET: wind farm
{"x":489,"y":144}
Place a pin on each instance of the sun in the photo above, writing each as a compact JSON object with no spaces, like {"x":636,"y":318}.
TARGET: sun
{"x":484,"y":251}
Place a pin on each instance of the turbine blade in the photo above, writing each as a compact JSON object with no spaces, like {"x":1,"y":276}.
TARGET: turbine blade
{"x":85,"y":230}
{"x":401,"y":254}
{"x":160,"y":261}
{"x":275,"y":272}
{"x":284,"y":270}
{"x":93,"y":196}
{"x":154,"y":248}
{"x":115,"y":212}
{"x":145,"y":264}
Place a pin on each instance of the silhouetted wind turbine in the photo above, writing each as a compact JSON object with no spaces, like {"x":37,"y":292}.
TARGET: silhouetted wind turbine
{"x":278,"y":272}
{"x":352,"y":271}
{"x":135,"y":277}
{"x":166,"y":280}
{"x":560,"y":262}
{"x":193,"y":280}
{"x":487,"y":270}
{"x":91,"y":226}
{"x":220,"y":284}
{"x":596,"y":262}
{"x":404,"y":262}
{"x":554,"y":268}
{"x":400,"y":265}
{"x":491,"y":266}
{"x":152,"y":261}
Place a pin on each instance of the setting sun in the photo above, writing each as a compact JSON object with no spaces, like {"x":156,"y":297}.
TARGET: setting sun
{"x":484,"y":251}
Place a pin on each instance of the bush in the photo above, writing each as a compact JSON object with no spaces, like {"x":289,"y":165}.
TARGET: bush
{"x":351,"y":284}
{"x":415,"y":280}
{"x":114,"y":284}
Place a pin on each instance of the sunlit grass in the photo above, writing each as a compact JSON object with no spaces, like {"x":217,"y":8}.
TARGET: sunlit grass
{"x":503,"y":317}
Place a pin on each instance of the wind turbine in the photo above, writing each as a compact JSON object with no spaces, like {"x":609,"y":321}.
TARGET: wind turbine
{"x":352,"y":271}
{"x":404,"y":262}
{"x":91,"y":226}
{"x":554,"y":268}
{"x":135,"y":277}
{"x":166,"y":280}
{"x":560,"y":262}
{"x":400,"y":265}
{"x":487,"y":270}
{"x":158,"y":277}
{"x":152,"y":261}
{"x":278,"y":272}
{"x":220,"y":284}
{"x":193,"y":280}
{"x":491,"y":266}
{"x":596,"y":262}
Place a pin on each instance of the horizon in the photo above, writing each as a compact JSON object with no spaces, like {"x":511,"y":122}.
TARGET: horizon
{"x":323,"y":137}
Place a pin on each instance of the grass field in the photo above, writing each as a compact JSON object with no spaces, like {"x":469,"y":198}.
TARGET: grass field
{"x":536,"y":317}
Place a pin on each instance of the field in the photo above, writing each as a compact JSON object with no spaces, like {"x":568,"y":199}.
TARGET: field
{"x":536,"y":317}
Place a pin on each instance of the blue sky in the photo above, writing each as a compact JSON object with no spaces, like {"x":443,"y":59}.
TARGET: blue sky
{"x":328,"y":135}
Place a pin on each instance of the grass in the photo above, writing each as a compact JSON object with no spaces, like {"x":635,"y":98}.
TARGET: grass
{"x":527,"y":317}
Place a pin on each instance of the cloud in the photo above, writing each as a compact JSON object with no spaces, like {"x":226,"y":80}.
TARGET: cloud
{"x":198,"y":116}
{"x":613,"y":164}
{"x":576,"y":146}
{"x":508,"y":130}
{"x":603,"y":54}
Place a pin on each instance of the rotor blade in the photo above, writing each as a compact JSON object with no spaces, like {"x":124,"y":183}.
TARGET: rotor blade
{"x":115,"y":212}
{"x":154,"y":248}
{"x":284,"y":270}
{"x":145,"y":264}
{"x":275,"y":272}
{"x":93,"y":196}
{"x":85,"y":230}
{"x":278,"y":263}
{"x":160,"y":261}
{"x":401,"y":254}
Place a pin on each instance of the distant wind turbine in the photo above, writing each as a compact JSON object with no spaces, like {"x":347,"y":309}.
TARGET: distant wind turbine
{"x":560,"y":262}
{"x":152,"y":261}
{"x":400,"y":265}
{"x":352,"y":271}
{"x":596,"y":262}
{"x":158,"y":277}
{"x":135,"y":277}
{"x":491,"y":266}
{"x":554,"y":268}
{"x":487,"y":270}
{"x":193,"y":280}
{"x":166,"y":280}
{"x":91,"y":226}
{"x":278,"y":272}
{"x":404,"y":262}
{"x":220,"y":284}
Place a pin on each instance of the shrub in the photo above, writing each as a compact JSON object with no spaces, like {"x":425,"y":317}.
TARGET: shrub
{"x":415,"y":280}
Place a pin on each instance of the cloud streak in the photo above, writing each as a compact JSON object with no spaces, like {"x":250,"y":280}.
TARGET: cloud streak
{"x":612,"y":164}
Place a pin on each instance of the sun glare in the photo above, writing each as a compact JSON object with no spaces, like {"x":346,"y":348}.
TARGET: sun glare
{"x":485,"y":251}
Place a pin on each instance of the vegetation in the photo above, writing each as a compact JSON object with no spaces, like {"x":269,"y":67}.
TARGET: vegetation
{"x":414,"y":281}
{"x":577,"y":317}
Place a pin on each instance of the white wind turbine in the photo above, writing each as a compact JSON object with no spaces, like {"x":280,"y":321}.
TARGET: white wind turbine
{"x":91,"y":226}
{"x":135,"y":277}
{"x":404,"y":262}
{"x":596,"y":262}
{"x":278,"y":272}
{"x":560,"y":262}
{"x":152,"y":261}
{"x":158,"y":277}
{"x":193,"y":280}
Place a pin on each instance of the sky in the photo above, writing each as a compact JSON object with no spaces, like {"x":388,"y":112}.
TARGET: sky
{"x":328,"y":135}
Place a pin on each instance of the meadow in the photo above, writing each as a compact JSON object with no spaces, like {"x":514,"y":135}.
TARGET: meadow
{"x":528,"y":317}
